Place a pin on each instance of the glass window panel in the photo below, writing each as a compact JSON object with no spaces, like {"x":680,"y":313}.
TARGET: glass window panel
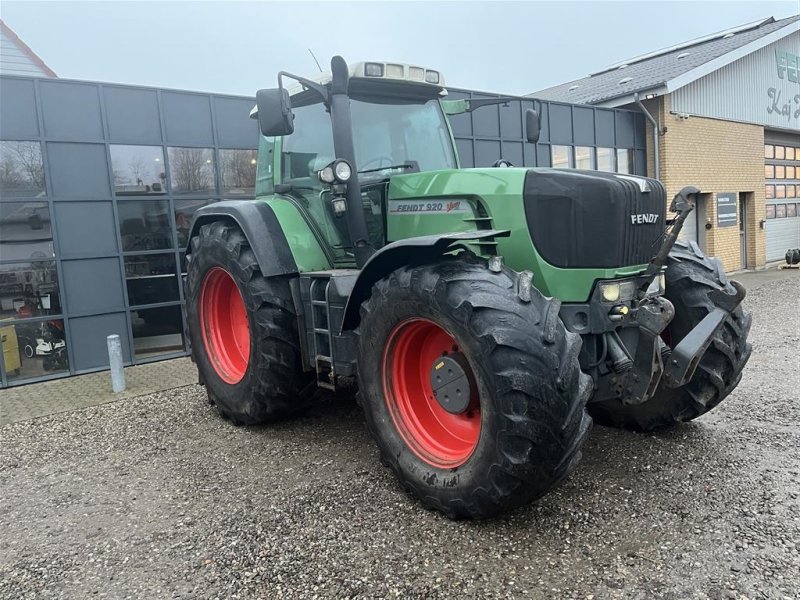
{"x":144,"y":224}
{"x":769,"y":191}
{"x":789,"y":153}
{"x":238,"y":168}
{"x":560,"y":157}
{"x":21,"y":170}
{"x":624,"y":160}
{"x":791,"y":210}
{"x":157,"y":331}
{"x":151,"y":278}
{"x":780,"y":172}
{"x":184,"y":211}
{"x":780,"y":191}
{"x":790,"y":172}
{"x":780,"y":152}
{"x":780,"y":211}
{"x":33,"y":349}
{"x":584,"y":157}
{"x":191,"y":170}
{"x":769,"y":151}
{"x":605,"y":159}
{"x":770,"y":211}
{"x":791,"y":191}
{"x":29,"y":289}
{"x":769,"y":171}
{"x":138,"y":170}
{"x":25,"y":231}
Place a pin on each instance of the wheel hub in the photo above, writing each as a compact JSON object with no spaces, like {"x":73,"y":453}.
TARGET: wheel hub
{"x":451,"y":386}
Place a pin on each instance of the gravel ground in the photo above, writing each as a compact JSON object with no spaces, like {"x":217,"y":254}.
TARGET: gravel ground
{"x":157,"y":497}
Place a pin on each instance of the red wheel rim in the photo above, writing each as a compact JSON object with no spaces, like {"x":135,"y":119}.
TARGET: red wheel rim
{"x":440,"y":438}
{"x":223,"y":321}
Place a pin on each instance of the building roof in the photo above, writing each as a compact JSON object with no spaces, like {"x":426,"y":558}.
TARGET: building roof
{"x":665,"y":70}
{"x":16,"y":58}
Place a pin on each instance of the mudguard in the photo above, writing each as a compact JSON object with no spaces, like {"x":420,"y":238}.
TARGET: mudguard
{"x":409,"y":251}
{"x":261,"y":228}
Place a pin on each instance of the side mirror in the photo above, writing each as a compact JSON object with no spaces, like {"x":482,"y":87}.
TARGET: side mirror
{"x":274,"y":112}
{"x":533,"y":125}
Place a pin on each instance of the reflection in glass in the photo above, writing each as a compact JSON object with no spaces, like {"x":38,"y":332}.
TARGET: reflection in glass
{"x":769,"y":191}
{"x":769,"y":171}
{"x":151,"y":278}
{"x":144,"y":224}
{"x":191,"y":170}
{"x":791,"y":210}
{"x":791,"y":191}
{"x":29,"y":289}
{"x":184,"y":210}
{"x":560,"y":156}
{"x":25,"y":231}
{"x":789,"y":153}
{"x":157,"y":331}
{"x":769,"y":151}
{"x":238,"y":169}
{"x":780,"y":191}
{"x":624,"y":160}
{"x":605,"y":159}
{"x":33,"y":349}
{"x":780,"y":172}
{"x":780,"y":152}
{"x":584,"y":157}
{"x":138,"y":170}
{"x":21,"y":169}
{"x":780,"y":211}
{"x":770,"y":211}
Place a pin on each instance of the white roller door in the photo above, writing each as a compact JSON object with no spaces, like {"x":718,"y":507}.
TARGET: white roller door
{"x":782,"y":234}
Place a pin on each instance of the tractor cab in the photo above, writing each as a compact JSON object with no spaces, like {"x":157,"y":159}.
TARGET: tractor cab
{"x":398,"y":126}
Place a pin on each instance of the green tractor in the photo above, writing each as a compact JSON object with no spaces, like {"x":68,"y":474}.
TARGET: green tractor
{"x":485,"y":315}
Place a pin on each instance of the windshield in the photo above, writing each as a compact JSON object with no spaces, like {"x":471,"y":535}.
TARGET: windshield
{"x":384,"y":135}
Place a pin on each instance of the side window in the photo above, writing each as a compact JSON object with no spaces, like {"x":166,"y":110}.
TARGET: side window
{"x":265,"y":179}
{"x":310,"y":147}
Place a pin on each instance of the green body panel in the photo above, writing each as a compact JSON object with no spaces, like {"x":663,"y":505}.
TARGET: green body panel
{"x":500,"y":192}
{"x":306,"y":248}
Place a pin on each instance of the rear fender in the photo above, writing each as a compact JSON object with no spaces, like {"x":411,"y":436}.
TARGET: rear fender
{"x":410,"y":251}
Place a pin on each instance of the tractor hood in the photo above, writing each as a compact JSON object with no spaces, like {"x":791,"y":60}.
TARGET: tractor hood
{"x":591,"y":219}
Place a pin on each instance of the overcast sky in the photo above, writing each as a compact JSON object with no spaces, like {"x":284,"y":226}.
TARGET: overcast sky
{"x":237,"y":47}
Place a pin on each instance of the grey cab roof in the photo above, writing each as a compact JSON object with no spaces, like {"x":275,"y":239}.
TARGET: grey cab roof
{"x":657,"y":69}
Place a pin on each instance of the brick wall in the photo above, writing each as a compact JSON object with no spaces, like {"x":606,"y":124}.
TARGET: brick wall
{"x":716,"y":156}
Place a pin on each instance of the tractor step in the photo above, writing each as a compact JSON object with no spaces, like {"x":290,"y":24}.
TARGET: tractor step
{"x":324,"y":296}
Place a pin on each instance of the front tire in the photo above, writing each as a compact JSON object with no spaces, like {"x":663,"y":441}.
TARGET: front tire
{"x":522,"y":429}
{"x":243,"y":330}
{"x":690,"y":277}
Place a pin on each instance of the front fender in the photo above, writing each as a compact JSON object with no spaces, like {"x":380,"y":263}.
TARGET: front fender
{"x":415,"y":250}
{"x":260,"y":226}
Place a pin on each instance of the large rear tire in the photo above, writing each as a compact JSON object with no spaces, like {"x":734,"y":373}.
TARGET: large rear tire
{"x":243,"y":330}
{"x":525,"y":422}
{"x":690,"y":277}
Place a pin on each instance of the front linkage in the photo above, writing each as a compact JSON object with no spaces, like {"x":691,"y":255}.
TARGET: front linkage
{"x":640,"y":357}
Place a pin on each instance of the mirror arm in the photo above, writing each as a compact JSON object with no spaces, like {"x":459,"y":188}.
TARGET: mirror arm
{"x":313,"y":85}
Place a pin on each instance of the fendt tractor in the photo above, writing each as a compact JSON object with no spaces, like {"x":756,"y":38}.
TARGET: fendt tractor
{"x":485,"y":315}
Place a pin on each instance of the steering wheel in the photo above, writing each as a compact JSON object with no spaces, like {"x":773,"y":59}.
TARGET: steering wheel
{"x":379,"y":160}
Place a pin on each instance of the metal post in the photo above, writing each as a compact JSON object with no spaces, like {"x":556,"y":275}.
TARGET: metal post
{"x":115,"y":363}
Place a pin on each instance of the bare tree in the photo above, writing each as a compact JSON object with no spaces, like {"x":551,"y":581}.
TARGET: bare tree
{"x":21,"y":166}
{"x":239,"y":168}
{"x":191,"y":169}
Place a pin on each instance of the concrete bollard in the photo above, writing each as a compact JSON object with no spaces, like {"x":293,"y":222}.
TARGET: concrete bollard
{"x":115,"y":363}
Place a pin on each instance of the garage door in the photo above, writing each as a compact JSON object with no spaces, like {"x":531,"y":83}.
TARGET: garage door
{"x":782,"y":233}
{"x":782,"y":192}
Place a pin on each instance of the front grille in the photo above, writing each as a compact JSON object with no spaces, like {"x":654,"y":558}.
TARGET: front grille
{"x":590,"y":219}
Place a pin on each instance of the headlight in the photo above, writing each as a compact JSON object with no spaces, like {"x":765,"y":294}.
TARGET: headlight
{"x":618,"y":291}
{"x":342,"y":171}
{"x":339,"y":171}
